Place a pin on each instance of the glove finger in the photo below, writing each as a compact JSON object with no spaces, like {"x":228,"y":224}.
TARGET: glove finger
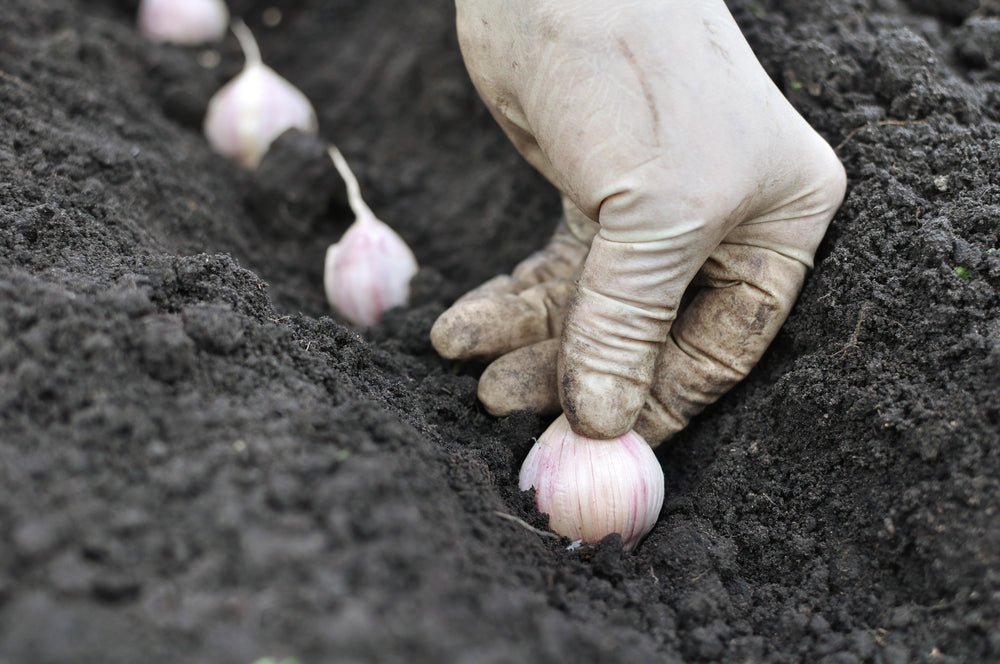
{"x":511,"y":311}
{"x":524,"y":379}
{"x":615,"y":325}
{"x":490,"y":326}
{"x":561,"y":258}
{"x":502,"y":284}
{"x":720,"y":335}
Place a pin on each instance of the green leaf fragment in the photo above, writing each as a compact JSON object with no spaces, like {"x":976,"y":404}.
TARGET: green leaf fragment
{"x":963,"y":273}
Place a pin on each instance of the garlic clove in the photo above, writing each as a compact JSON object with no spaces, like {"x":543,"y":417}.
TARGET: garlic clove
{"x":368,"y":272}
{"x":186,"y":22}
{"x":370,"y":269}
{"x":593,"y":488}
{"x":253,"y":109}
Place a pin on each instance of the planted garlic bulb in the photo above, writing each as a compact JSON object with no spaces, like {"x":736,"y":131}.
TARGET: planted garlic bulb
{"x":256,"y":107}
{"x":187,"y":22}
{"x":593,"y":488}
{"x":370,"y":269}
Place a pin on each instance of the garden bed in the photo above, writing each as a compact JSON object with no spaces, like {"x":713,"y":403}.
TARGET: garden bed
{"x":199,"y":464}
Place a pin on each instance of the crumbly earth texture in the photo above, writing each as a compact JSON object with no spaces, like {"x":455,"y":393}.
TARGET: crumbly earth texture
{"x":199,"y":463}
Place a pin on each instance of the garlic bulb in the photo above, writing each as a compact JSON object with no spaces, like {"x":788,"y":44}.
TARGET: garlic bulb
{"x":370,"y":269}
{"x":187,"y":22}
{"x":592,"y":488}
{"x":254,"y":108}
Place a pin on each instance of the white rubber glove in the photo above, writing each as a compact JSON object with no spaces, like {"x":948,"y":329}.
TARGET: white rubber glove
{"x":655,"y":120}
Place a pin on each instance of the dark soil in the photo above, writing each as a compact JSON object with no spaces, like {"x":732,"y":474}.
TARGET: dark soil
{"x":198,"y":464}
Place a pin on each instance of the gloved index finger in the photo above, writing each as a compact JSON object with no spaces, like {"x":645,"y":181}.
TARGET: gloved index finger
{"x":561,"y":258}
{"x":496,"y":323}
{"x":513,"y":311}
{"x":501,"y":284}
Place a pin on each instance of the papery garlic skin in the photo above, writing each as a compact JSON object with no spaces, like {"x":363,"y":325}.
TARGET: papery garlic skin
{"x":370,"y":269}
{"x":185,"y":22}
{"x":250,"y":111}
{"x":593,"y":488}
{"x":368,"y":272}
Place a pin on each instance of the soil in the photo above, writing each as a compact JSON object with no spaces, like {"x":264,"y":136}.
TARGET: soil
{"x":198,"y":463}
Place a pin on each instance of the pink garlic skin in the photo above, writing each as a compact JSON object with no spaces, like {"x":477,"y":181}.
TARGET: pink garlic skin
{"x":253,"y":109}
{"x":185,"y":22}
{"x":592,"y":488}
{"x":368,"y":271}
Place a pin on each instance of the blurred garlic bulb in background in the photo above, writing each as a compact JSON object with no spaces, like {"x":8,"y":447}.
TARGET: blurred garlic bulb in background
{"x":369,"y":270}
{"x":253,"y":109}
{"x":592,"y":488}
{"x":186,"y":22}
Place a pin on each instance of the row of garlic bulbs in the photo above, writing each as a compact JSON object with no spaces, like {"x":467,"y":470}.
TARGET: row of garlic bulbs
{"x":370,"y":269}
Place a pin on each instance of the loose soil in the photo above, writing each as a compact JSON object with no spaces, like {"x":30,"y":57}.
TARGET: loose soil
{"x":198,"y":463}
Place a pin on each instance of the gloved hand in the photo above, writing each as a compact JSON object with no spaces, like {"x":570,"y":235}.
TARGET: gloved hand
{"x":683,"y":170}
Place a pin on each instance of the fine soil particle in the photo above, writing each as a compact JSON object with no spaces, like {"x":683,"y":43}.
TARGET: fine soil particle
{"x":199,"y":464}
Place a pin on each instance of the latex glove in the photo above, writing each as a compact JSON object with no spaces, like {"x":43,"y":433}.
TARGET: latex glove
{"x":680,"y":164}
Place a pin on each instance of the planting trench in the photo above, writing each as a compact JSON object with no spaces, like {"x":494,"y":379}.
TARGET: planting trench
{"x":198,"y":463}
